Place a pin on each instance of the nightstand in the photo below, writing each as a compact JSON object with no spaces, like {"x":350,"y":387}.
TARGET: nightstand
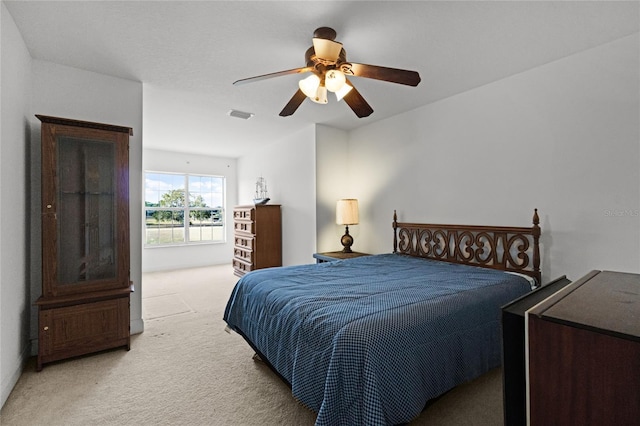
{"x":330,"y":256}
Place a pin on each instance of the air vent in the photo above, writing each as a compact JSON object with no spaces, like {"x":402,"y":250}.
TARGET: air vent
{"x":240,"y":114}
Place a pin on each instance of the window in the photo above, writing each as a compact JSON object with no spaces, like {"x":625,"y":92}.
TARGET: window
{"x":172,"y":197}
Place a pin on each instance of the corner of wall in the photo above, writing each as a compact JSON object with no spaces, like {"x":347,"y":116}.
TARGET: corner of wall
{"x":332,"y":183}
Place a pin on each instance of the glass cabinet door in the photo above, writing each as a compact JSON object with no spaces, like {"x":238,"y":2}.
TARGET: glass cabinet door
{"x":85,"y":206}
{"x":87,"y":222}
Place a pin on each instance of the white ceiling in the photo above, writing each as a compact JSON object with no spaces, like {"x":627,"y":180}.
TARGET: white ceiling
{"x":188,"y":54}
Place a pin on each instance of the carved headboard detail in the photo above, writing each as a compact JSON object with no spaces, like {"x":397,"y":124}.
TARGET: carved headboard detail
{"x":514,"y":249}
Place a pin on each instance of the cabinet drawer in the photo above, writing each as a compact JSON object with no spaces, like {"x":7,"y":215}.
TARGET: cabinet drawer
{"x":246,"y":214}
{"x":241,"y":254}
{"x":241,"y":266}
{"x":246,"y":227}
{"x":244,"y":242}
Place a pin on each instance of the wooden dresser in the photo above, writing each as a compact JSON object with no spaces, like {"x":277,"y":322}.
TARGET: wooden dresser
{"x":514,"y":374}
{"x":257,"y":237}
{"x":584,"y":353}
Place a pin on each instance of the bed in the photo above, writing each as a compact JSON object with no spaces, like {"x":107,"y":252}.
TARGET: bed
{"x":369,"y":340}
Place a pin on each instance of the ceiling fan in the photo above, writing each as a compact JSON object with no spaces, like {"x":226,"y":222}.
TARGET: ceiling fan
{"x":327,"y":62}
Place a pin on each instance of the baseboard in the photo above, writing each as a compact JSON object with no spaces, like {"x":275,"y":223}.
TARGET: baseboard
{"x":137,"y":326}
{"x":8,"y":386}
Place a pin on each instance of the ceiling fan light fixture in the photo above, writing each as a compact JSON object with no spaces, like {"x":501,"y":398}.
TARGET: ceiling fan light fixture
{"x":327,"y":50}
{"x":334,"y":80}
{"x":310,"y":85}
{"x":320,"y":96}
{"x":343,"y":91}
{"x":327,"y":61}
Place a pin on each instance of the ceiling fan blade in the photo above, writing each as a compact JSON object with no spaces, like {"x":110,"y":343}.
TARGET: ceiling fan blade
{"x":357,"y":103}
{"x":271,"y":75}
{"x":293,"y":104}
{"x":393,"y":75}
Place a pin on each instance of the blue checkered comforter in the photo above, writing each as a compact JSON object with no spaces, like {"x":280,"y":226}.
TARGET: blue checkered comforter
{"x":368,"y":341}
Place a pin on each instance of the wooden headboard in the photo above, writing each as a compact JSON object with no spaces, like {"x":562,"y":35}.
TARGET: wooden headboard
{"x":508,"y":248}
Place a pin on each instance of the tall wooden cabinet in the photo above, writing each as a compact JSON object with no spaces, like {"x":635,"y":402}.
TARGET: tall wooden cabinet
{"x":257,"y":237}
{"x":84,"y":305}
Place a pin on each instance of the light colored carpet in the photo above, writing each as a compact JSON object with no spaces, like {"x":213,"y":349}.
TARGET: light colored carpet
{"x":185,"y":370}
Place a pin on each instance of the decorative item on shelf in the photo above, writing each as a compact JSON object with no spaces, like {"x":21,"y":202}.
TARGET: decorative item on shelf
{"x":262,"y":196}
{"x":347,"y":214}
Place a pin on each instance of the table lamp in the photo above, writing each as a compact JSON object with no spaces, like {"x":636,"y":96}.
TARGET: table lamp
{"x":347,"y":214}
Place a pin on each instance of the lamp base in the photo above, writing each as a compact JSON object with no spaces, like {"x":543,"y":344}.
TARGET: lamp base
{"x":346,"y":241}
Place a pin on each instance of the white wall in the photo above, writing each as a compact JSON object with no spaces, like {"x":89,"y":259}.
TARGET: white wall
{"x":289,"y":169}
{"x":332,"y":174}
{"x":189,"y":256}
{"x":73,"y":93}
{"x":15,"y":86}
{"x":563,"y":137}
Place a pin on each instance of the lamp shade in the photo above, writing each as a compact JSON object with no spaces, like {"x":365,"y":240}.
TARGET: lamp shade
{"x":313,"y":88}
{"x":346,"y":88}
{"x":334,"y":80}
{"x":328,"y":50}
{"x":309,"y":85}
{"x":321,"y":95}
{"x":347,"y":212}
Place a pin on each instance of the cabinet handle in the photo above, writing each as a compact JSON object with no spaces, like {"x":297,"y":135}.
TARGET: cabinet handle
{"x":46,"y":328}
{"x":48,"y":206}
